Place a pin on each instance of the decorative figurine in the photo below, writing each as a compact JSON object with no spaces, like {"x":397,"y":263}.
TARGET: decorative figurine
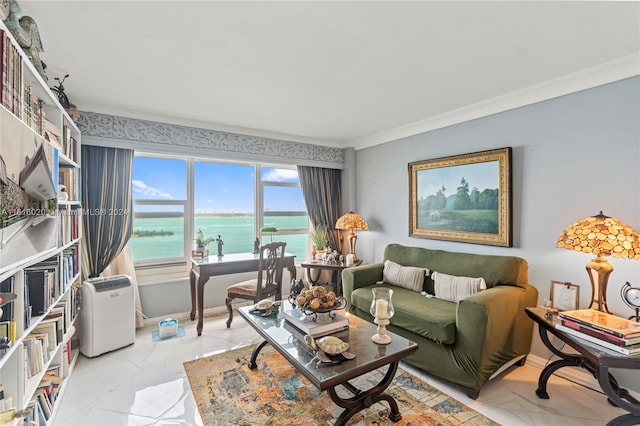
{"x":220,"y":244}
{"x":256,"y":246}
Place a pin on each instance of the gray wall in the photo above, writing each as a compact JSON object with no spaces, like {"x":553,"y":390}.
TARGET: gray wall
{"x":572,"y":156}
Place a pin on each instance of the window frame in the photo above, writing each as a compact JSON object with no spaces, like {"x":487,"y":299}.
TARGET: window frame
{"x":158,"y":270}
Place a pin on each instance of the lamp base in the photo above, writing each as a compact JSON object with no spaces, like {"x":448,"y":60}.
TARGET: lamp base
{"x":599,"y":270}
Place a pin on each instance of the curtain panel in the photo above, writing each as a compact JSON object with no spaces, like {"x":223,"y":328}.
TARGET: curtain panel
{"x":108,"y":204}
{"x":321,"y":189}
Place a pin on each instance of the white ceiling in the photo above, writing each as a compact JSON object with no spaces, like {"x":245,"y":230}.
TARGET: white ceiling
{"x":333,"y":73}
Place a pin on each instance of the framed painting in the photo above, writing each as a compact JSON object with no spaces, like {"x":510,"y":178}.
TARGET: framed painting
{"x":464,"y":198}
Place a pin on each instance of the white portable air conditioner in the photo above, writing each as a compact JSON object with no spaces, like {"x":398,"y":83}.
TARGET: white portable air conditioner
{"x":107,"y":315}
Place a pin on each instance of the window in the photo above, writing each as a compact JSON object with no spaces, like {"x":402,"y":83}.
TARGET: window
{"x":160,"y":199}
{"x":284,"y":208}
{"x":176,"y":197}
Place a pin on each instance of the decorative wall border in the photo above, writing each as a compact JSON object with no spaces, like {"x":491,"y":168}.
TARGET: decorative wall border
{"x":109,"y":127}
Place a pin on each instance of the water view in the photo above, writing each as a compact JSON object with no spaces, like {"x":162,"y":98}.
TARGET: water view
{"x":161,"y":238}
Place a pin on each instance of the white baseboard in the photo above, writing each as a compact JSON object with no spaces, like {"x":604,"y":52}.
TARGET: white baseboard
{"x":185,"y":316}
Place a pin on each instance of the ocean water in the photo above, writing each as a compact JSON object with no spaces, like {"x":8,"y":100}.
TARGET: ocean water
{"x":237,"y":233}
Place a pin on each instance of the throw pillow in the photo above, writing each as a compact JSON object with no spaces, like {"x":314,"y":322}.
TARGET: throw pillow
{"x":409,"y":277}
{"x":453,"y":288}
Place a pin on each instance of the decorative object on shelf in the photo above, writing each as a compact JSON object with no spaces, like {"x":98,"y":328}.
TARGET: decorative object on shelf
{"x":269,"y":230}
{"x":329,"y":349}
{"x":564,"y":296}
{"x":68,"y":106}
{"x":631,"y":296}
{"x":331,"y":258}
{"x":381,"y":309}
{"x":63,"y":195}
{"x":25,"y":31}
{"x":432,"y":216}
{"x":256,"y":246}
{"x":352,"y":222}
{"x":220,"y":244}
{"x":602,"y":236}
{"x":200,"y":253}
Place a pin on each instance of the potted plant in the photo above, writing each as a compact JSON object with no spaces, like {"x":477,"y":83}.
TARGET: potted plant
{"x":319,"y":238}
{"x":201,"y":241}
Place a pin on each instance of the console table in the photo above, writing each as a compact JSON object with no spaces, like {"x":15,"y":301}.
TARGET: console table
{"x":203,"y":269}
{"x":591,"y":357}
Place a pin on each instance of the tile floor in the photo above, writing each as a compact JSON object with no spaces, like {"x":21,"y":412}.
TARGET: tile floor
{"x":145,"y":384}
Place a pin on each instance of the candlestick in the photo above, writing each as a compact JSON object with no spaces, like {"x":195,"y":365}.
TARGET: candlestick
{"x":381,"y":309}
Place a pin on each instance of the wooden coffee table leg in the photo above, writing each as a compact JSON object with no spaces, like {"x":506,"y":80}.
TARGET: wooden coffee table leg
{"x":365,"y":399}
{"x":254,"y":355}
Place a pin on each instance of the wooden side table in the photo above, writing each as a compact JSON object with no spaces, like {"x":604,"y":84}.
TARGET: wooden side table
{"x":593,"y":358}
{"x":319,"y":267}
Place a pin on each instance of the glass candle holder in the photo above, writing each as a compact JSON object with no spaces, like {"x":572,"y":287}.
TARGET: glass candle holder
{"x":381,"y":309}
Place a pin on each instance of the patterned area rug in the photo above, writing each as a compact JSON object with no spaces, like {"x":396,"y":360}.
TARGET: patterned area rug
{"x":227,"y":392}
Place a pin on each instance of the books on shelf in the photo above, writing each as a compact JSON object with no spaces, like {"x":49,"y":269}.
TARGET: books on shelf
{"x":322,"y":326}
{"x":625,"y":350}
{"x":603,"y":321}
{"x":36,"y":178}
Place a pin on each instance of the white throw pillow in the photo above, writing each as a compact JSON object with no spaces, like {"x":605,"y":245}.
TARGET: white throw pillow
{"x":409,"y":277}
{"x":454,"y":289}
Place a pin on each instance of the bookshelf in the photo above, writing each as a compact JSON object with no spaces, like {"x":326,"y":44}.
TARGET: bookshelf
{"x":40,"y":233}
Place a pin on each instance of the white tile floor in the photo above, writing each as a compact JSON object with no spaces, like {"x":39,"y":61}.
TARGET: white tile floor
{"x":145,"y":384}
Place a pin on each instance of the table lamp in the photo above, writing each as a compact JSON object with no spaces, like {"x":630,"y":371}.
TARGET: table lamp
{"x":269,"y":230}
{"x":352,"y":222}
{"x":602,"y":236}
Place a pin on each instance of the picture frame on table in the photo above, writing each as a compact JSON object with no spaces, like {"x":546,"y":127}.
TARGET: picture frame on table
{"x":564,"y":296}
{"x":464,"y":198}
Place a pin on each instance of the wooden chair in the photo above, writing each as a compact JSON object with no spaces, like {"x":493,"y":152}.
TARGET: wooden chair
{"x":268,"y":283}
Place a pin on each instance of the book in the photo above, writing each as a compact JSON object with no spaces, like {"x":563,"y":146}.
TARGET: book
{"x":322,"y":326}
{"x":608,"y":323}
{"x":626,"y":350}
{"x":619,"y":341}
{"x":37,"y":177}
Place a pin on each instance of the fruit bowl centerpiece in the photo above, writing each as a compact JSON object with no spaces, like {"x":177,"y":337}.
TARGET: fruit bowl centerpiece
{"x":317,"y":300}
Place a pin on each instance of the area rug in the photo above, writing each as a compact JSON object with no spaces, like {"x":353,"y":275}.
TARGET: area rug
{"x":227,"y":392}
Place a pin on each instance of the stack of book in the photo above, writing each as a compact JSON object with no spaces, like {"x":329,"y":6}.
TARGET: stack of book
{"x":316,"y":326}
{"x":609,"y":331}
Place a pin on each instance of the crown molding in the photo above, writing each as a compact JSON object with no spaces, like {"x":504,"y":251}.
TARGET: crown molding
{"x":153,"y":136}
{"x":626,"y":67}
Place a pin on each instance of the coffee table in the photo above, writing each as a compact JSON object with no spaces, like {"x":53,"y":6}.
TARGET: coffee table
{"x":289,"y":342}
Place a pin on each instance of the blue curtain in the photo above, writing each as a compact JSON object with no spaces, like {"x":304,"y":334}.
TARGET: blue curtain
{"x":107,"y":203}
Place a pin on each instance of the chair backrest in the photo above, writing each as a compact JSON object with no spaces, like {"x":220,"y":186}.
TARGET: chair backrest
{"x":270,"y":270}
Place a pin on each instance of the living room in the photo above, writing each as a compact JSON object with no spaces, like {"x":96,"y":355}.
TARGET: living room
{"x":567,"y":104}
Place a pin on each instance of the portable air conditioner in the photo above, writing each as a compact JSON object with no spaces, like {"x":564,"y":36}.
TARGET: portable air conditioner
{"x":107,"y":315}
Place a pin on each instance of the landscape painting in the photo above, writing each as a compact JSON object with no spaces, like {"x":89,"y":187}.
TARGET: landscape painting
{"x":463,"y":198}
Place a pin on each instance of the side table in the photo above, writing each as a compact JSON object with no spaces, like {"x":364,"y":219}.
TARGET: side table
{"x":319,"y":267}
{"x":593,"y":358}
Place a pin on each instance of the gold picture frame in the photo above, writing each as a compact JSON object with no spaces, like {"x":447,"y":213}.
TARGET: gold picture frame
{"x":564,"y":296}
{"x":479,"y":209}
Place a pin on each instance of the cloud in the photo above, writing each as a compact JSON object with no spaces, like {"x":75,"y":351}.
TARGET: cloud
{"x":281,"y":175}
{"x":148,"y":191}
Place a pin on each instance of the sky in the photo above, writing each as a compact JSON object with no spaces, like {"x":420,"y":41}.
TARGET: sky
{"x":478,"y":175}
{"x":218,"y":187}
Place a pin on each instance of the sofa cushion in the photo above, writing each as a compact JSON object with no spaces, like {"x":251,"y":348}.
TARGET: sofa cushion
{"x":408,"y":277}
{"x":432,"y":318}
{"x":496,"y":270}
{"x":454,"y":288}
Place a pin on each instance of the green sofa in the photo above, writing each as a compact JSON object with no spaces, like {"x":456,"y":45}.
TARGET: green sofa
{"x":464,"y":342}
